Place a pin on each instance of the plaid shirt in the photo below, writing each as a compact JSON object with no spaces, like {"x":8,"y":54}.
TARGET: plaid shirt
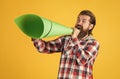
{"x":77,"y":57}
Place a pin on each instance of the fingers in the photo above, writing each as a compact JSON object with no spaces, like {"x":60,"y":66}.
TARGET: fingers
{"x":32,"y":39}
{"x":75,"y":32}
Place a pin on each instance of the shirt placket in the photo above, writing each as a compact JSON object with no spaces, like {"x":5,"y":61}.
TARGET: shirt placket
{"x":72,"y":68}
{"x":73,"y":60}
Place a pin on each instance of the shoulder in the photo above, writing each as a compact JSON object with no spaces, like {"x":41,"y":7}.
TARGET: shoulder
{"x":92,"y":40}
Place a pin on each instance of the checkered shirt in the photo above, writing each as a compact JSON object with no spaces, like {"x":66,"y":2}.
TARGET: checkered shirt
{"x":77,"y":56}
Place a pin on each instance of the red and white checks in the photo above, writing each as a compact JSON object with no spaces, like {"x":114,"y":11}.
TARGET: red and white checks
{"x":77,"y":56}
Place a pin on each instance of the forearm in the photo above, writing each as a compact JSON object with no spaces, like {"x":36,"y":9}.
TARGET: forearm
{"x":47,"y":46}
{"x":39,"y":45}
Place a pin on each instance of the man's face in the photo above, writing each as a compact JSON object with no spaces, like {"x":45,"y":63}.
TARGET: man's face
{"x":83,"y":22}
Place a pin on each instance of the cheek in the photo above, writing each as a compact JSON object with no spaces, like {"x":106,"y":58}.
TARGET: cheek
{"x":86,"y":27}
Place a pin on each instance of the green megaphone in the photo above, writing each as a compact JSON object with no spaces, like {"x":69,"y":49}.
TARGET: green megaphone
{"x":38,"y":27}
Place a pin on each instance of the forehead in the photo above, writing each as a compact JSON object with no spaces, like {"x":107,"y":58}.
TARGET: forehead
{"x":84,"y":17}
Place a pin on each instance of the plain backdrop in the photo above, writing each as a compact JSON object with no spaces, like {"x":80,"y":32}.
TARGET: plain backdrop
{"x":20,"y":60}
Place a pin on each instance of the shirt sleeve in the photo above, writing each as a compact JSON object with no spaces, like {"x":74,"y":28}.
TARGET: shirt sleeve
{"x":48,"y":46}
{"x":86,"y":53}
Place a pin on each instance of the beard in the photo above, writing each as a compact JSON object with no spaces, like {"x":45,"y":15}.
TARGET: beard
{"x":83,"y":32}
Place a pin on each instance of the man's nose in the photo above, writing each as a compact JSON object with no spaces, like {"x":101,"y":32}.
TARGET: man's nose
{"x":80,"y":23}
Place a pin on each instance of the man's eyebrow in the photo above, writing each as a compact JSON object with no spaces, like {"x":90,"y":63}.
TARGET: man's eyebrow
{"x":83,"y":19}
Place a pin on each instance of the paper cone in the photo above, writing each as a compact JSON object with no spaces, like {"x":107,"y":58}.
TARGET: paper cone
{"x":39,"y":27}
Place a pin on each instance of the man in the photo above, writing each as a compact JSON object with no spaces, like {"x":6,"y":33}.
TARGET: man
{"x":78,"y":51}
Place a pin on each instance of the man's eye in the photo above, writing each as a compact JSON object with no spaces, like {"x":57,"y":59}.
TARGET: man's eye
{"x":83,"y":21}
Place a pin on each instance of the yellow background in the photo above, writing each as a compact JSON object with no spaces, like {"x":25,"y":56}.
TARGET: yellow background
{"x":20,"y":60}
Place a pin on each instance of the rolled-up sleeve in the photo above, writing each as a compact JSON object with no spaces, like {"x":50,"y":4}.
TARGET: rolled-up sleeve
{"x":48,"y":46}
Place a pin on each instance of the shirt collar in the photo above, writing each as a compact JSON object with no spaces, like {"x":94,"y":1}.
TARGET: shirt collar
{"x":88,"y":37}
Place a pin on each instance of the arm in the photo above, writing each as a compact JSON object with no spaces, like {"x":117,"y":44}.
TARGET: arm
{"x":86,"y":53}
{"x":48,"y":46}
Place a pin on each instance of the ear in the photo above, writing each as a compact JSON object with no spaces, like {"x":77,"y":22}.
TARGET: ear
{"x":91,"y":26}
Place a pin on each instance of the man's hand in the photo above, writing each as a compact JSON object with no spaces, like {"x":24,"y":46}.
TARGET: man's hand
{"x":76,"y":32}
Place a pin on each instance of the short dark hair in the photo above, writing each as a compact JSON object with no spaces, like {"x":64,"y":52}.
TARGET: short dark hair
{"x":92,"y":18}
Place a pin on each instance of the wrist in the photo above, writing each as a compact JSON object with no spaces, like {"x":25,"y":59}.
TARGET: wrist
{"x":74,"y":36}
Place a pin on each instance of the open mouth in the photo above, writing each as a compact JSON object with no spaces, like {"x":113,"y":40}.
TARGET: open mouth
{"x":78,"y":27}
